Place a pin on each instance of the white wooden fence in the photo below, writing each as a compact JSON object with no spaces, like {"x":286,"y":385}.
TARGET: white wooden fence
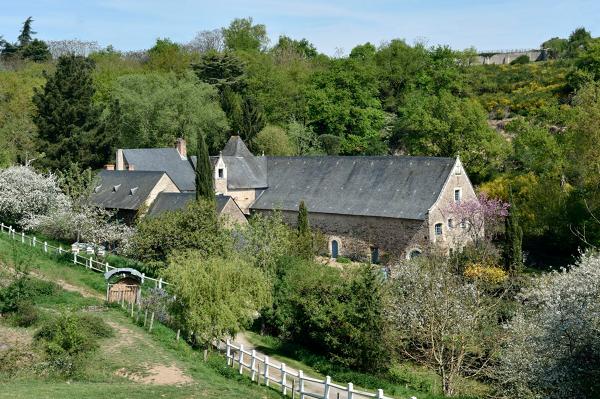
{"x":89,"y":260}
{"x":288,"y":380}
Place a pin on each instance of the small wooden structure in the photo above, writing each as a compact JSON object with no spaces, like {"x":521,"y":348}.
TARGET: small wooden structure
{"x":123,"y":285}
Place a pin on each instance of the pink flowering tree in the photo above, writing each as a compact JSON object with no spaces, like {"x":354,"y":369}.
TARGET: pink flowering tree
{"x":480,"y":219}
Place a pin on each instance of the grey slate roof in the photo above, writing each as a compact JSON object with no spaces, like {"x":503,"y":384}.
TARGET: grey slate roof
{"x":244,"y":170}
{"x":387,"y":186}
{"x":122,"y":189}
{"x":168,"y":160}
{"x":174,"y":201}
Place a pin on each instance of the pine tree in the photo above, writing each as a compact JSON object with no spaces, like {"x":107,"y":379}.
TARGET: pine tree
{"x":204,"y":179}
{"x":513,"y":246}
{"x":305,"y":245}
{"x":67,"y":118}
{"x":253,"y":119}
{"x":26,"y":33}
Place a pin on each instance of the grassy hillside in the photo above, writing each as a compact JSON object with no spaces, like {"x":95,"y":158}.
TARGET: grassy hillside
{"x":131,"y":364}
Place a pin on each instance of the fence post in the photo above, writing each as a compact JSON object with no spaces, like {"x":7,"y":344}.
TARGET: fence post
{"x":283,"y":379}
{"x":106,"y":267}
{"x":45,"y":246}
{"x":266,"y":370}
{"x":90,"y":262}
{"x":33,"y":241}
{"x":22,"y":238}
{"x":151,"y":322}
{"x":74,"y":257}
{"x":380,"y":394}
{"x":227,"y":349}
{"x":60,"y":249}
{"x":241,"y":359}
{"x":350,"y":390}
{"x":301,"y":383}
{"x":327,"y":387}
{"x":253,"y":365}
{"x":160,"y":283}
{"x":179,"y":332}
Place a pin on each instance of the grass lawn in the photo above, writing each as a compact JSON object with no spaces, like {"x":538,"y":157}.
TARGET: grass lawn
{"x":123,"y":365}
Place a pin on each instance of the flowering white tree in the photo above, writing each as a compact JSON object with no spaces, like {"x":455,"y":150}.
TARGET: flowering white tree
{"x":438,"y":320}
{"x":25,"y":193}
{"x":554,"y":346}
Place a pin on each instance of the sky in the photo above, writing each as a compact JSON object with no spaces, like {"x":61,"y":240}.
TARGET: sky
{"x":332,"y":26}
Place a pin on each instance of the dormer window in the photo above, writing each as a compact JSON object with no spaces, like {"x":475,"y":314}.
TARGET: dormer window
{"x":221,"y":173}
{"x":116,"y":188}
{"x":132,"y":191}
{"x":97,"y":188}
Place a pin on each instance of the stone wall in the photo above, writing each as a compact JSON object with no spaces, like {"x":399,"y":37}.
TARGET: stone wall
{"x":243,"y":197}
{"x":508,"y":57}
{"x":356,"y":235}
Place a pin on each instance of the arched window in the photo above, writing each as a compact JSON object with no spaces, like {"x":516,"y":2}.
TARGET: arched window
{"x":334,"y":249}
{"x":415,"y":253}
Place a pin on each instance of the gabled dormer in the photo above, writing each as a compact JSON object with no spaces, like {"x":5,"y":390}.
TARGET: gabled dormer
{"x":220,"y":175}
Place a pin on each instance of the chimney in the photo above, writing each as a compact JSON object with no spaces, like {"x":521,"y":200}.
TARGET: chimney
{"x":120,"y":160}
{"x":110,"y":166}
{"x":181,"y":147}
{"x":130,"y":167}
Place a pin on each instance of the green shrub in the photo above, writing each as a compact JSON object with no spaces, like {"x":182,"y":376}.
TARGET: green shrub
{"x":520,"y":60}
{"x":342,"y":259}
{"x":95,"y":326}
{"x":25,"y":315}
{"x":24,"y":289}
{"x":68,"y":339}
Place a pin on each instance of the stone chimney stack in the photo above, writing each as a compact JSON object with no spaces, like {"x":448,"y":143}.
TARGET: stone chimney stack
{"x":181,"y":147}
{"x":120,"y":160}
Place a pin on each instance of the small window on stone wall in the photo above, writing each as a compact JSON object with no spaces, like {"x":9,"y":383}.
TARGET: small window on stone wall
{"x":415,"y":253}
{"x":221,"y":173}
{"x":450,"y":223}
{"x":457,"y":195}
{"x":438,"y":229}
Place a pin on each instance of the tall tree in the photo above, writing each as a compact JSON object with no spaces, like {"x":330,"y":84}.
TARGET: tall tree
{"x":67,"y":118}
{"x":513,"y":246}
{"x":204,"y":180}
{"x":305,"y":245}
{"x":303,"y":226}
{"x":26,"y":33}
{"x":243,"y":35}
{"x":252,"y":119}
{"x":222,"y":70}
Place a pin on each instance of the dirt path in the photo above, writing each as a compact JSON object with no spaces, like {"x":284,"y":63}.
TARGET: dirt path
{"x":309,"y":386}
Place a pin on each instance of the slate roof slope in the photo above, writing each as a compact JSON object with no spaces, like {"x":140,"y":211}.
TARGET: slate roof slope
{"x":168,"y":160}
{"x":174,"y":201}
{"x":387,"y":186}
{"x":123,"y":189}
{"x":244,"y":170}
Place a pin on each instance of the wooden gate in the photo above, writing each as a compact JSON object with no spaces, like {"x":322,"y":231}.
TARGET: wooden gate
{"x":126,"y":290}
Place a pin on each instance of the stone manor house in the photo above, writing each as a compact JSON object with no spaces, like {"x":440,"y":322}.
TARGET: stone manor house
{"x":368,"y":207}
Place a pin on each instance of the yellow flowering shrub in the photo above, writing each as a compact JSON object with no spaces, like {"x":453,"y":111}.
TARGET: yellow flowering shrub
{"x":488,"y":274}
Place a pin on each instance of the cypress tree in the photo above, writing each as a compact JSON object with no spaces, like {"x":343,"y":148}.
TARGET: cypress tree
{"x":204,"y":178}
{"x":303,"y":226}
{"x":513,"y":246}
{"x":67,"y":118}
{"x":305,"y":239}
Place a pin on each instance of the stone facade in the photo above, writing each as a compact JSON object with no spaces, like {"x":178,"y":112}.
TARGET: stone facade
{"x":166,"y":185}
{"x":233,"y":214}
{"x":358,"y":235}
{"x":452,"y":231}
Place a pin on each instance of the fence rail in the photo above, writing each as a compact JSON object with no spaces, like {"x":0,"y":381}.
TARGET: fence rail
{"x":290,"y":381}
{"x":89,"y":261}
{"x":260,"y":367}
